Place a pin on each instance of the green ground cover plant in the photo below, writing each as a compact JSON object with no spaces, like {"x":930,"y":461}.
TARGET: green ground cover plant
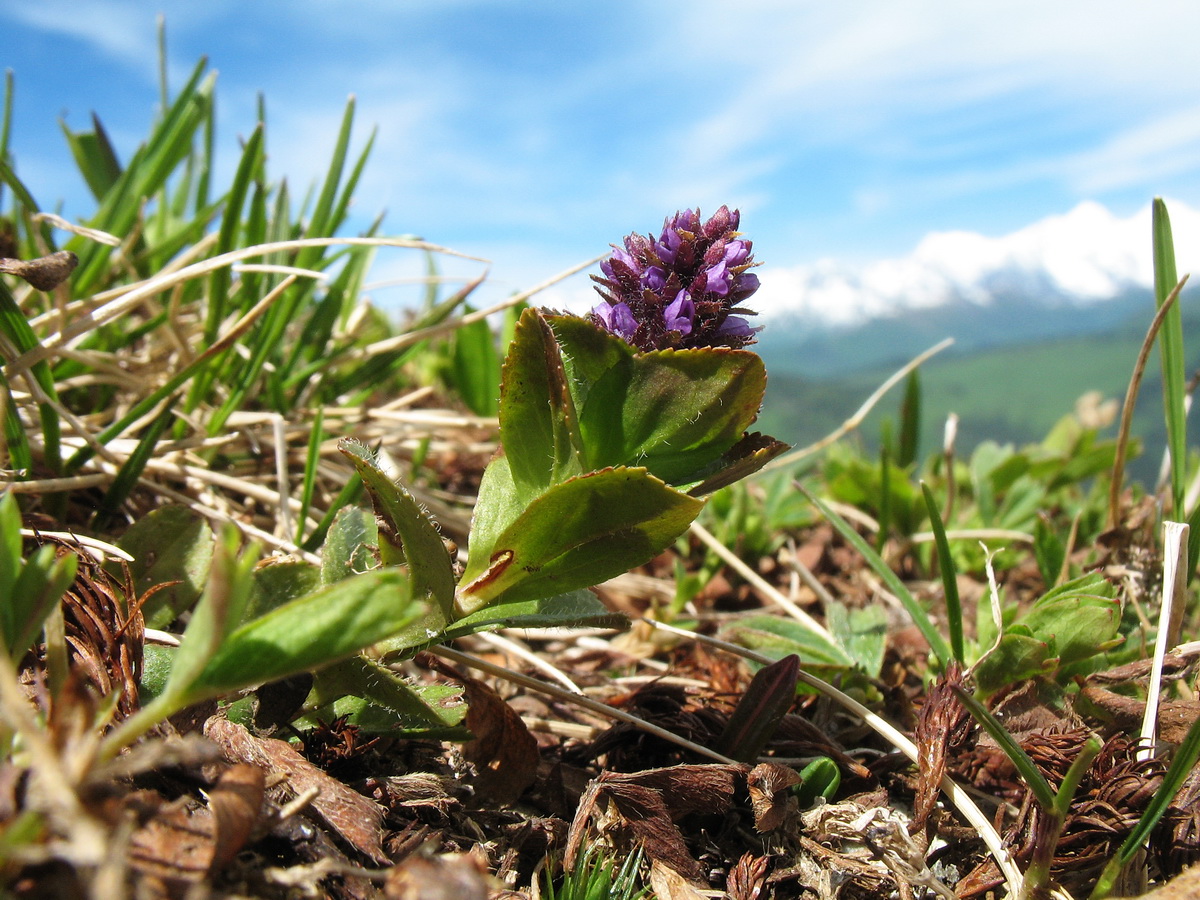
{"x":256,"y":534}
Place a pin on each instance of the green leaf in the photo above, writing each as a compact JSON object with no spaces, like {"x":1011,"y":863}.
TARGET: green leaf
{"x":365,"y":678}
{"x":348,"y":495}
{"x":407,"y":536}
{"x":673,"y":411}
{"x":778,"y":637}
{"x":346,"y":550}
{"x":587,"y":353}
{"x":537,"y":415}
{"x":477,"y":367}
{"x":861,"y":632}
{"x":313,"y":631}
{"x":1077,"y":620}
{"x":1018,"y":655}
{"x":279,"y":583}
{"x":496,"y":508}
{"x":169,"y":544}
{"x":577,"y":534}
{"x":819,"y":779}
{"x":575,"y":609}
{"x":31,"y":587}
{"x":39,"y":588}
{"x":157,"y":662}
{"x":374,"y":718}
{"x":218,"y":612}
{"x":10,"y":547}
{"x":1048,"y":549}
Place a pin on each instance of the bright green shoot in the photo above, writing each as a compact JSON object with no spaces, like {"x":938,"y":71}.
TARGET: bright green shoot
{"x":1174,"y":363}
{"x":596,"y":876}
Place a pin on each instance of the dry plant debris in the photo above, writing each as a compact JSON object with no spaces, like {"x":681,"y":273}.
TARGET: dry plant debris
{"x":409,"y":819}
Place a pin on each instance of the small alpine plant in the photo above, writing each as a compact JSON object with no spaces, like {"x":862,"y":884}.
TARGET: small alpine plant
{"x":614,"y":427}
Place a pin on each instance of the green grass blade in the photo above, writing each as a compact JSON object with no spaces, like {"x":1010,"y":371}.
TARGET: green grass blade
{"x":20,"y":192}
{"x":15,"y":327}
{"x":346,"y":496}
{"x":164,"y":95}
{"x":94,"y":157}
{"x":254,"y":231}
{"x":129,"y":473}
{"x":144,"y":176}
{"x":249,"y":168}
{"x":338,"y":216}
{"x":322,"y":221}
{"x":315,"y":436}
{"x":885,"y":498}
{"x":1078,"y":768}
{"x":143,"y":406}
{"x":1029,"y":772}
{"x":908,"y":447}
{"x":16,"y":444}
{"x":1181,"y":766}
{"x":313,"y":349}
{"x":954,"y":614}
{"x":476,"y":367}
{"x":1170,"y":342}
{"x":937,"y":644}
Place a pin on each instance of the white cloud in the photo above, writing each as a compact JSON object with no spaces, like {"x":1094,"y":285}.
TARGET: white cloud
{"x":1162,"y":146}
{"x":1087,"y":255}
{"x":910,"y":78}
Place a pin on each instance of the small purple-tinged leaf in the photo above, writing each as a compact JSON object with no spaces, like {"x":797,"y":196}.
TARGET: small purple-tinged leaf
{"x":744,"y":458}
{"x":761,"y":709}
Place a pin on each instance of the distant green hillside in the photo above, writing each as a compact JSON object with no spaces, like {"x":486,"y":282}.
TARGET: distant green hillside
{"x":794,"y":347}
{"x":1008,"y":394}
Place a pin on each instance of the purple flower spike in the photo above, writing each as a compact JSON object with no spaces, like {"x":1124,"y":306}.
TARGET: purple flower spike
{"x":678,"y":290}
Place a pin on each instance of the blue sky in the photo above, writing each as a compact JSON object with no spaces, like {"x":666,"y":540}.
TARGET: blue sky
{"x":536,"y":133}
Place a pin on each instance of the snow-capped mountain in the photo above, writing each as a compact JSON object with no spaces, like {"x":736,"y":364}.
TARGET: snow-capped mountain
{"x":1084,"y":257}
